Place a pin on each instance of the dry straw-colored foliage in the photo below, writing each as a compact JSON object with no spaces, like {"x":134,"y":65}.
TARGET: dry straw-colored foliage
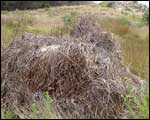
{"x":83,"y":73}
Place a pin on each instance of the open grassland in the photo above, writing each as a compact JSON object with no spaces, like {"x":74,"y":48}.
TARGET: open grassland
{"x":130,"y":28}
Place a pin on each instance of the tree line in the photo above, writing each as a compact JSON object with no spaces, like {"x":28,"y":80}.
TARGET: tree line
{"x":22,"y":5}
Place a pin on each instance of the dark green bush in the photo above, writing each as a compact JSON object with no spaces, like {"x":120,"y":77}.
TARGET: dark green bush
{"x":69,"y":19}
{"x":106,"y":4}
{"x":21,"y":5}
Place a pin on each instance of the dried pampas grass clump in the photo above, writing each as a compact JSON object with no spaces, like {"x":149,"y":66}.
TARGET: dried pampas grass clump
{"x":83,"y":74}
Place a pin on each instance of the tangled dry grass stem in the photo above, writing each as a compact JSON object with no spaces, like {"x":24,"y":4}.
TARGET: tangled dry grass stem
{"x":83,"y":74}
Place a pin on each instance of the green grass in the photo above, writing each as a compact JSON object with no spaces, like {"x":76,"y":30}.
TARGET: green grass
{"x":105,"y":4}
{"x":35,"y":109}
{"x":135,"y":52}
{"x":46,"y":113}
{"x":134,"y":43}
{"x":68,"y":20}
{"x":8,"y":115}
{"x":47,"y":102}
{"x":14,"y":23}
{"x":25,"y":21}
{"x":123,"y":21}
{"x":38,"y":30}
{"x":6,"y":34}
{"x":135,"y":19}
{"x":141,"y":105}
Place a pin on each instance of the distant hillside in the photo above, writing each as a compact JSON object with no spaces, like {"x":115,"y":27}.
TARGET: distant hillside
{"x":132,"y":6}
{"x":22,"y":5}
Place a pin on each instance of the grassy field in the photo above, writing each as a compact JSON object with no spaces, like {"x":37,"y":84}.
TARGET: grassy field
{"x":130,"y":29}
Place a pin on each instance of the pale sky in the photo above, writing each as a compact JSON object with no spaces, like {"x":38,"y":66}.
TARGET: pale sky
{"x":142,"y":2}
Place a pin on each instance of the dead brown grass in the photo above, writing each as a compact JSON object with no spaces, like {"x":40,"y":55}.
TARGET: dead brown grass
{"x":83,"y":74}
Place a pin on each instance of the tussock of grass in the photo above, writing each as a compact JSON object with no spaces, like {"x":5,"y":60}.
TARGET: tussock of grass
{"x":57,"y":21}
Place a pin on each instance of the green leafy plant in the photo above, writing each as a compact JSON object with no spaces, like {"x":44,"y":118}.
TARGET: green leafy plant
{"x":69,"y":19}
{"x":47,"y":102}
{"x":8,"y":115}
{"x":138,"y":107}
{"x":34,"y":111}
{"x":47,"y":111}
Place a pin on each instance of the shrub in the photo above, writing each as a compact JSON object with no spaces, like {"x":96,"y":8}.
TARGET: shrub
{"x":146,"y":15}
{"x":68,"y":19}
{"x":106,"y":4}
{"x":124,"y":21}
{"x":135,"y":20}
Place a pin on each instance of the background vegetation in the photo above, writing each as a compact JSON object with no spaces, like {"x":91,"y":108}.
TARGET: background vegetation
{"x":22,"y":5}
